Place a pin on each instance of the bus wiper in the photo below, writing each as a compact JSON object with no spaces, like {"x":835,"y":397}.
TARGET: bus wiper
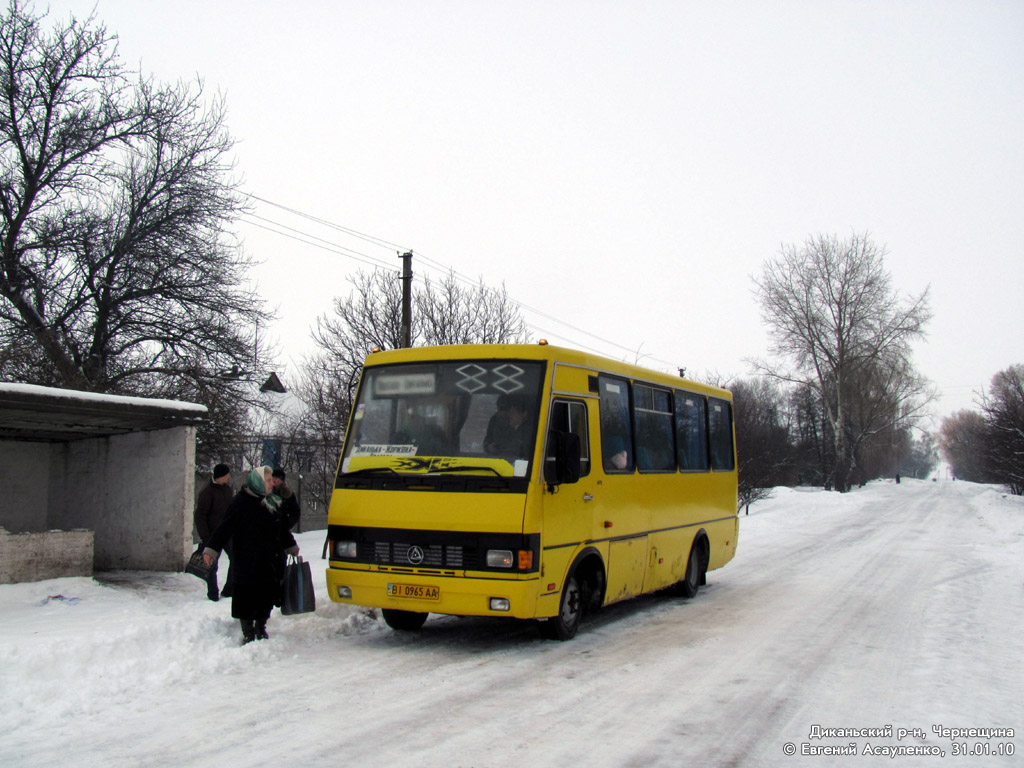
{"x":369,"y":471}
{"x":438,"y":470}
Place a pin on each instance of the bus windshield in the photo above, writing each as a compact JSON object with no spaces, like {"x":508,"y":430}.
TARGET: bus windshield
{"x":460,"y":417}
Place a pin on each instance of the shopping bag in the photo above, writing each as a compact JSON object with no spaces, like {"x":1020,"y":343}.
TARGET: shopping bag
{"x":298,"y":588}
{"x":196,"y":566}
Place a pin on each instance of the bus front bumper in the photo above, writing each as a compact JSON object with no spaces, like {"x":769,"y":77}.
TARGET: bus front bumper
{"x":475,"y":595}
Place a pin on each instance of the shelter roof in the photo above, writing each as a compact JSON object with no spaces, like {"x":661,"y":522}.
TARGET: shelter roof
{"x":47,"y":414}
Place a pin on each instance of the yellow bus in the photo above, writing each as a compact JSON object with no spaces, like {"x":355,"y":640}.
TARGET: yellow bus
{"x":527,"y":481}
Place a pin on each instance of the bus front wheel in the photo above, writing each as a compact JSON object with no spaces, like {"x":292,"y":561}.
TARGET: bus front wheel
{"x":405,"y":621}
{"x":563,"y":626}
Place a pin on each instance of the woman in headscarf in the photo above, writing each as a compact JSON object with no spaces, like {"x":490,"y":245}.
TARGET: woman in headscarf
{"x":260,"y":539}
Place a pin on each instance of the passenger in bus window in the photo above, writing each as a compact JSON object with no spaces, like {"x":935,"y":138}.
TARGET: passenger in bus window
{"x":616,"y":456}
{"x":615,"y":440}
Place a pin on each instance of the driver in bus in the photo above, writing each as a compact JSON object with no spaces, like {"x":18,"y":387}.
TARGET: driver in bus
{"x":507,"y":431}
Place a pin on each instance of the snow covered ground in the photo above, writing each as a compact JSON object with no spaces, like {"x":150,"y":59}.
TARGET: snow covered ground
{"x":893,"y":605}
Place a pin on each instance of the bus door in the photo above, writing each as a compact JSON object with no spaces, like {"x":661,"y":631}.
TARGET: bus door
{"x":624,"y":522}
{"x":569,"y":500}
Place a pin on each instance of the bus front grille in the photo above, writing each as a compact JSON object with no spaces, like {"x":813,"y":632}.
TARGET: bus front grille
{"x":433,"y":556}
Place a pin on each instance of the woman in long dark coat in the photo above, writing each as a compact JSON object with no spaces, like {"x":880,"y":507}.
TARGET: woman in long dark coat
{"x":259,"y":540}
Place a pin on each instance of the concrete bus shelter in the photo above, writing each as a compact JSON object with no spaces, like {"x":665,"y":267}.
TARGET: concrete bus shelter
{"x":93,"y":482}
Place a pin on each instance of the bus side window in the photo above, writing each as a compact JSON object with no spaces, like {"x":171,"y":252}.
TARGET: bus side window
{"x":652,"y":415}
{"x":616,"y":428}
{"x":691,"y":432}
{"x":720,"y":426}
{"x":569,"y":416}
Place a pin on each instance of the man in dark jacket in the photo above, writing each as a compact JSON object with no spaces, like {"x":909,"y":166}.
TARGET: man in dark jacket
{"x":259,"y":541}
{"x":289,"y":507}
{"x":211,"y":506}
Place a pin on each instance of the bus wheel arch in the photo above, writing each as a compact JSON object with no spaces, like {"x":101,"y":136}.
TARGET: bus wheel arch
{"x":582,"y":592}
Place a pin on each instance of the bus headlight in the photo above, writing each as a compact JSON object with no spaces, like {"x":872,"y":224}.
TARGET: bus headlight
{"x":499,"y":558}
{"x":345,"y":593}
{"x":500,"y":604}
{"x":346,"y":549}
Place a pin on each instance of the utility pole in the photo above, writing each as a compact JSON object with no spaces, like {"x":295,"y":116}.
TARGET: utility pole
{"x":407,"y":299}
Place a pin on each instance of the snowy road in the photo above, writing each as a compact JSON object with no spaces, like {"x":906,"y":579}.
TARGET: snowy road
{"x":894,"y":605}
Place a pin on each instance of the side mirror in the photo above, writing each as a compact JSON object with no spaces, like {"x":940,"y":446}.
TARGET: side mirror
{"x":562,"y":464}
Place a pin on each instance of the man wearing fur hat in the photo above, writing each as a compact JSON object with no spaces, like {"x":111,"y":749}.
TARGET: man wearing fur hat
{"x":290,"y":511}
{"x":211,"y":506}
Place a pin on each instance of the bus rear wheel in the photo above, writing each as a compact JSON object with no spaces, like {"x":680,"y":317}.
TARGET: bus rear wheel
{"x":691,"y":581}
{"x":403,"y":621}
{"x":564,"y":624}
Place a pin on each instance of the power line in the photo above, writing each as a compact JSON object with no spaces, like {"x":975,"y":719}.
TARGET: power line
{"x":431,"y":264}
{"x":323,"y":244}
{"x":541,"y":313}
{"x":307,"y":238}
{"x":361,"y":235}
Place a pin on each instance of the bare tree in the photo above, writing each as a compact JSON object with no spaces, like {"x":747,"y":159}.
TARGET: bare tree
{"x":763,"y":442}
{"x":963,"y":442}
{"x":833,"y":315}
{"x":117,"y":273}
{"x":448,"y":313}
{"x":812,"y":436}
{"x":886,"y":400}
{"x":326,"y":391}
{"x":1003,"y":407}
{"x":921,"y":459}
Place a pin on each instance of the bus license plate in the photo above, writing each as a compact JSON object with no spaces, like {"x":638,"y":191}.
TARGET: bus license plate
{"x":415,"y":591}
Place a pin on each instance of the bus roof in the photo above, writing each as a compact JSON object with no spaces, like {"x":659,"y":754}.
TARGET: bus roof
{"x":540,"y":351}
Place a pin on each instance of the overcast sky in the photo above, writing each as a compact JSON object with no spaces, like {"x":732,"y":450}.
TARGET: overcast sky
{"x":623,"y":168}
